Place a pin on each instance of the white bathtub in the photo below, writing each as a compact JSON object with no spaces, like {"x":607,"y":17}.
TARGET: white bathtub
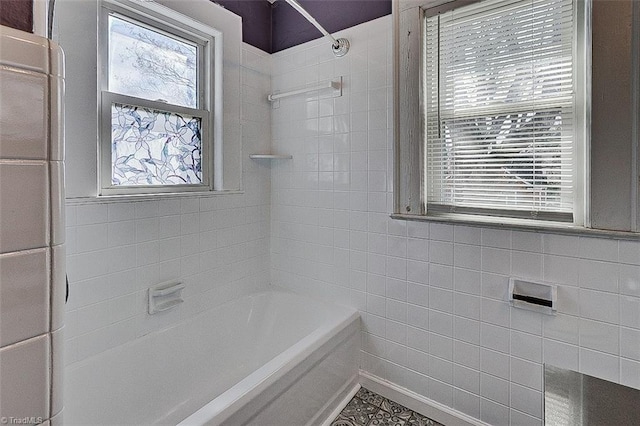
{"x":271,"y":358}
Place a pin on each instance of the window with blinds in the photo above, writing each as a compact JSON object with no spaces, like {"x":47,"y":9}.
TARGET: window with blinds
{"x":498,"y":96}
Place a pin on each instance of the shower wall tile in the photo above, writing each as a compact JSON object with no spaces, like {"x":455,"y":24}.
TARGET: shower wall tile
{"x":24,"y":119}
{"x":24,"y":205}
{"x":56,"y":179}
{"x":433,"y":296}
{"x":24,"y":295}
{"x":56,"y":102}
{"x":31,"y":216}
{"x":218,"y":246}
{"x":58,"y":285}
{"x":57,"y":372}
{"x":25,"y":385}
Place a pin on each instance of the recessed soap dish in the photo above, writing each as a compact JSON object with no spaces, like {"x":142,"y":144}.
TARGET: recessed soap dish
{"x":539,"y":297}
{"x":165,"y":296}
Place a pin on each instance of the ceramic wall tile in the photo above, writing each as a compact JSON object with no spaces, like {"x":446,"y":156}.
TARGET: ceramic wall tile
{"x":24,"y":205}
{"x":57,"y":372}
{"x":24,"y":295}
{"x":25,"y":385}
{"x":56,"y":179}
{"x":58,"y":285}
{"x":24,"y":50}
{"x":218,"y":246}
{"x":457,"y":277}
{"x":57,"y":114}
{"x":24,"y":127}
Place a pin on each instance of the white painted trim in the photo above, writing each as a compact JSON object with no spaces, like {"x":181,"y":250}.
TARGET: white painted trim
{"x":425,"y":406}
{"x":354,"y":390}
{"x":41,"y":17}
{"x":131,"y":198}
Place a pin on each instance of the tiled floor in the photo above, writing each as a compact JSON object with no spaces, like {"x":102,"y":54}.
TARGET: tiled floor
{"x":370,"y":409}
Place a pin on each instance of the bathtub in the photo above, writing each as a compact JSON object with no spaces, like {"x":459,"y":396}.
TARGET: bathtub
{"x":270,"y":358}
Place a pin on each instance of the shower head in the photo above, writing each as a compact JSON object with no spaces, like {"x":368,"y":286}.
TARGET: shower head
{"x":340,"y":47}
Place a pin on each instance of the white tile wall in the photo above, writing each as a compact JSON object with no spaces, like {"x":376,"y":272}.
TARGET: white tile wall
{"x":217,"y":245}
{"x":31,"y":190}
{"x":432,"y":296}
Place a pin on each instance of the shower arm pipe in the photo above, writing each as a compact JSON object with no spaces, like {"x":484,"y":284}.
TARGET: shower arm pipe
{"x":340,"y":46}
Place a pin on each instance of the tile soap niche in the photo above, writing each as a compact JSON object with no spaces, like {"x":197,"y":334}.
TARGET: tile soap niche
{"x":539,"y":297}
{"x":165,"y":296}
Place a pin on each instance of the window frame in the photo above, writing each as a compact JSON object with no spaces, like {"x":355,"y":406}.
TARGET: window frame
{"x":209,"y":80}
{"x":409,"y":163}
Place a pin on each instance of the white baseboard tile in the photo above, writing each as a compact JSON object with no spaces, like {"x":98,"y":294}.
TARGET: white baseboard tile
{"x":432,"y":409}
{"x":345,"y":400}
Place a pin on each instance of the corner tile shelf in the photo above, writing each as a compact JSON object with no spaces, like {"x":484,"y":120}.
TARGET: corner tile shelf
{"x":270,"y":157}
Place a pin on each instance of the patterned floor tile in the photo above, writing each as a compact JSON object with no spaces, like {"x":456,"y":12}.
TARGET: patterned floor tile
{"x":396,"y":409}
{"x":370,"y":397}
{"x":420,"y":420}
{"x":342,"y":421}
{"x":384,"y":418}
{"x":368,"y":408}
{"x":359,"y":412}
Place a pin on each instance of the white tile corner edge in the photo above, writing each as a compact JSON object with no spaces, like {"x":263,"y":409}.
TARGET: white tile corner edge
{"x":57,"y":118}
{"x":56,"y":60}
{"x":57,"y":372}
{"x":418,"y":403}
{"x":58,"y":285}
{"x":57,"y":203}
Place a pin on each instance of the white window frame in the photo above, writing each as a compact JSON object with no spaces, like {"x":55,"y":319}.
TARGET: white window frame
{"x":410,"y":168}
{"x":209,"y":109}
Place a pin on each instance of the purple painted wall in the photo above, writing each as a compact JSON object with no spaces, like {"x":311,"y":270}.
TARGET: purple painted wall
{"x":279,"y":26}
{"x":256,"y":21}
{"x":268,"y":27}
{"x":17,"y":14}
{"x":290,"y":28}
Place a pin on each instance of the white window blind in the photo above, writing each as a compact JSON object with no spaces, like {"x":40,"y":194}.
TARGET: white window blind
{"x":499,"y":109}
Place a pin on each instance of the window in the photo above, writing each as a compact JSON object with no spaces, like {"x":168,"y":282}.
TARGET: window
{"x":500,"y":127}
{"x":156,"y":94}
{"x":493,"y":101}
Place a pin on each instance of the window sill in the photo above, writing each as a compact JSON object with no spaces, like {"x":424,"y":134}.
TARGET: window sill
{"x":520,"y":225}
{"x":102,"y":199}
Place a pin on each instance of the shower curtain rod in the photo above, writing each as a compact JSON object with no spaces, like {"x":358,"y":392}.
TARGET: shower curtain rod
{"x":340,"y":47}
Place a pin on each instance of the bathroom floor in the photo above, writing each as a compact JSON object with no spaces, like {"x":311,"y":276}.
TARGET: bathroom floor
{"x":370,"y":409}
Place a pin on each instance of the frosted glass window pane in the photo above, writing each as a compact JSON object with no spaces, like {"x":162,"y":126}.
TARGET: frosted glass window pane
{"x":150,"y":65}
{"x":150,"y":147}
